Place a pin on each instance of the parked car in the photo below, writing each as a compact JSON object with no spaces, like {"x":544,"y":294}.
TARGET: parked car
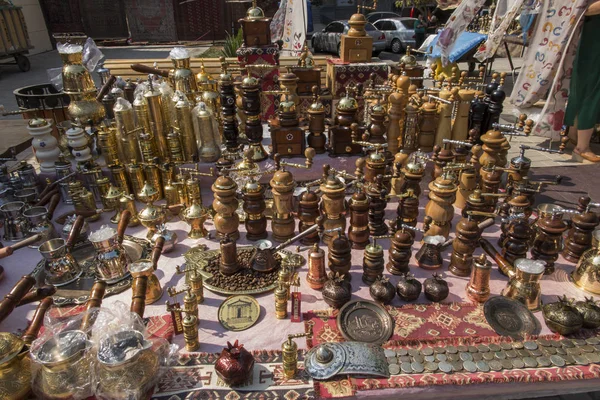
{"x":399,"y":33}
{"x":374,"y":16}
{"x":329,"y":39}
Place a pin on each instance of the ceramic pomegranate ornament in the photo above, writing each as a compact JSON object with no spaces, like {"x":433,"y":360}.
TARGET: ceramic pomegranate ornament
{"x":382,"y":290}
{"x":408,"y":288}
{"x":436,"y":288}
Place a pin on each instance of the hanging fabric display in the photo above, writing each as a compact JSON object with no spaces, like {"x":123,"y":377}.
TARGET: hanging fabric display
{"x":458,"y":22}
{"x":489,"y":48}
{"x":289,"y":25}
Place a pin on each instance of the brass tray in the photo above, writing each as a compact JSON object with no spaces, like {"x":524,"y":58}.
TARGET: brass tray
{"x":77,"y":292}
{"x":199,"y":257}
{"x":365,"y":321}
{"x":510,"y":317}
{"x":238,"y":313}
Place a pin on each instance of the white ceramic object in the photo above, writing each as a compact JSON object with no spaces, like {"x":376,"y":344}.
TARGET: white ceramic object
{"x":44,"y":144}
{"x":77,"y":140}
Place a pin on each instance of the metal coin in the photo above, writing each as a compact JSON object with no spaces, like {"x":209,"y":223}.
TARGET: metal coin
{"x":439,"y":350}
{"x":511,"y":353}
{"x":517,"y":345}
{"x":550,"y":350}
{"x":593,"y":358}
{"x":431,"y":366}
{"x":581,"y":360}
{"x":419,"y":358}
{"x":495,"y":365}
{"x":451,"y":349}
{"x":574,"y":351}
{"x":587,"y":348}
{"x":500,"y":355}
{"x":506,"y":364}
{"x":392,"y":360}
{"x":441,"y":357}
{"x":506,"y":346}
{"x":427,"y":351}
{"x":457,"y":366}
{"x":529,"y":345}
{"x":402,"y":352}
{"x":465,"y":356}
{"x":453,"y":358}
{"x":477,"y":356}
{"x":417,"y":367}
{"x":413,"y":352}
{"x":445,"y":366}
{"x":394,"y":369}
{"x":543,"y":361}
{"x":389,"y":353}
{"x":561,"y":352}
{"x":470,"y":366}
{"x":488,"y":356}
{"x":568,"y":359}
{"x":405,"y":359}
{"x":406,"y":368}
{"x":462,"y":348}
{"x":482,"y":348}
{"x":544,"y":342}
{"x":579,"y":342}
{"x":555,"y":343}
{"x":597,"y":347}
{"x":473,"y":349}
{"x":530,"y":362}
{"x":494,"y":347}
{"x":523,"y":353}
{"x":482,"y":366}
{"x":567,"y":343}
{"x":536,"y":353}
{"x":517,"y":363}
{"x":592,"y":340}
{"x":557,"y":361}
{"x":429,"y":358}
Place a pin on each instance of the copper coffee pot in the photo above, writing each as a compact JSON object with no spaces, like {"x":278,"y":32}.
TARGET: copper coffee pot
{"x":147,"y":267}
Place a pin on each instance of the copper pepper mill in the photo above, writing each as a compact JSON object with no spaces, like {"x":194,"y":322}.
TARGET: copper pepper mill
{"x":579,"y":237}
{"x":340,"y":255}
{"x":317,"y":274}
{"x":358,"y":231}
{"x":547,"y":243}
{"x":478,"y":288}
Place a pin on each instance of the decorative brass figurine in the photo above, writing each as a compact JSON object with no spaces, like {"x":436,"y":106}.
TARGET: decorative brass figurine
{"x":590,"y":312}
{"x":478,"y":288}
{"x":382,"y":290}
{"x":408,"y":288}
{"x":562,"y":317}
{"x":435,"y":288}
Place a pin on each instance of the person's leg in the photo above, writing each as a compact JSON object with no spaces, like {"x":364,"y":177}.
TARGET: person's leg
{"x":583,"y":145}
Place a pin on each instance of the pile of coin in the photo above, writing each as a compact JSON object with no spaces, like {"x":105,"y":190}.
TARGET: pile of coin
{"x":538,"y":353}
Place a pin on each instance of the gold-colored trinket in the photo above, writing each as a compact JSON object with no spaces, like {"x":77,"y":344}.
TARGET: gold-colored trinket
{"x":289,"y":354}
{"x":238,"y":313}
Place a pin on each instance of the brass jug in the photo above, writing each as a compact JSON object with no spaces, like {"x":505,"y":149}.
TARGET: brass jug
{"x":61,"y":267}
{"x":587,"y":273}
{"x":112,"y":257}
{"x":195,"y":215}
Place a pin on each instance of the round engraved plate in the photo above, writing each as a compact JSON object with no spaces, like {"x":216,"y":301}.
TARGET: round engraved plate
{"x":365,"y":321}
{"x":510,"y":318}
{"x":238,"y":313}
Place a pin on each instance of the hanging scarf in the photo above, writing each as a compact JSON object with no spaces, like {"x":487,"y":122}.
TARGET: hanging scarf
{"x":494,"y":39}
{"x":458,"y":22}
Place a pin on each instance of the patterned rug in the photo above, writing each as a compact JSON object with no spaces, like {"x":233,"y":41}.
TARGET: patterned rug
{"x":195,"y":378}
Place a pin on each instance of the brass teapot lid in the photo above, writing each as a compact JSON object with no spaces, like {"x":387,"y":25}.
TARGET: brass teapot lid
{"x":37,"y":122}
{"x":10,"y":346}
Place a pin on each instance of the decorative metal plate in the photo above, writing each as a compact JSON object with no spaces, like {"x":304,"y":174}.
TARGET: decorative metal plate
{"x":77,"y":292}
{"x":238,"y":313}
{"x":199,"y":258}
{"x":509,"y":317}
{"x":325,"y":370}
{"x":349,"y":358}
{"x":365,"y":321}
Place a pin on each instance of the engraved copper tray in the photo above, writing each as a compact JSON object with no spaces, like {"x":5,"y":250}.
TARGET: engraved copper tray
{"x":77,"y":292}
{"x":510,"y":317}
{"x":239,"y":312}
{"x":365,"y":321}
{"x":199,"y":257}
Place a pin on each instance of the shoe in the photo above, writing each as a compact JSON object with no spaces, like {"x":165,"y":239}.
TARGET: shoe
{"x":589,"y":156}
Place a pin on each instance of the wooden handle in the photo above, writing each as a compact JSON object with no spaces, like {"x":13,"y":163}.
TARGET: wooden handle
{"x":95,"y":300}
{"x":47,"y":190}
{"x":144,"y":69}
{"x":43,"y":200}
{"x":138,"y":297}
{"x":13,"y":298}
{"x":123,"y":222}
{"x":157,"y":251}
{"x":52,"y":205}
{"x":37,"y":295}
{"x":75,"y":231}
{"x":26,"y":242}
{"x":106,"y":87}
{"x":37,"y":321}
{"x":503,"y":265}
{"x":6,"y":251}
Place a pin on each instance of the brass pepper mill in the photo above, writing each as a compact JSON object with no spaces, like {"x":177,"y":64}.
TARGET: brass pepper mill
{"x":340,"y":255}
{"x":190,"y":332}
{"x":316,"y":275}
{"x":358,"y":231}
{"x":127,"y":202}
{"x":373,"y":262}
{"x":478,"y":288}
{"x":289,"y":354}
{"x":194,"y":281}
{"x":281,"y":300}
{"x":225,"y":204}
{"x":228,"y":262}
{"x":548,"y":240}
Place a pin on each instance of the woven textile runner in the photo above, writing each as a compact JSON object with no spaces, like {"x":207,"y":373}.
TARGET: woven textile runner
{"x":195,"y":378}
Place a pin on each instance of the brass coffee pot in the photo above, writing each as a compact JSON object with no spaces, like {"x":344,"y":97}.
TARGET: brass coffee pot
{"x":587,"y":273}
{"x":154,"y":290}
{"x":110,"y":253}
{"x":195,"y":215}
{"x":151,"y":216}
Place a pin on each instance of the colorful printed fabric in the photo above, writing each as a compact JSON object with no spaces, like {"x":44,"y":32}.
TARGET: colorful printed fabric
{"x":289,"y":25}
{"x":458,"y":22}
{"x":488,"y":49}
{"x":547,"y":65}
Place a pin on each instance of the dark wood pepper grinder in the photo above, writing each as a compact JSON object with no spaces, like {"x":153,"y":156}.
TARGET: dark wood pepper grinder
{"x":316,"y":123}
{"x":254,"y":129}
{"x":333,"y":204}
{"x":400,"y":251}
{"x":358,"y":231}
{"x":228,"y":109}
{"x":408,"y":209}
{"x":518,"y":236}
{"x":340,"y":255}
{"x":228,"y":262}
{"x":253,"y":194}
{"x":490,"y":181}
{"x":377,"y":195}
{"x":579,"y":238}
{"x":373,"y":262}
{"x":308,"y":212}
{"x":464,"y":244}
{"x":548,"y":239}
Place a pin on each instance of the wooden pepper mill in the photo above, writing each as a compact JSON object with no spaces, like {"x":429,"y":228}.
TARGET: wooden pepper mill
{"x":396,"y":115}
{"x":400,"y":251}
{"x":333,"y":204}
{"x":467,"y":182}
{"x":308,"y":212}
{"x":253,"y":194}
{"x":518,"y":236}
{"x":413,"y":173}
{"x":254,"y":130}
{"x":377,"y":195}
{"x":316,"y":123}
{"x":579,"y":238}
{"x":408,"y":209}
{"x":490,"y":181}
{"x":464,"y":244}
{"x":225,"y":205}
{"x":341,"y":137}
{"x":427,"y":126}
{"x":373,"y":262}
{"x":228,"y":264}
{"x":441,"y":158}
{"x":228,"y":108}
{"x":340,"y":255}
{"x":442,"y":192}
{"x":282,"y":185}
{"x":548,"y":239}
{"x":475,"y":202}
{"x":358,"y":231}
{"x":493,"y":142}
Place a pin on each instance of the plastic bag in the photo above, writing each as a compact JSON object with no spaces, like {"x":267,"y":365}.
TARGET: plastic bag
{"x":55,"y":78}
{"x":179,"y":53}
{"x":91,"y":54}
{"x":69,"y":48}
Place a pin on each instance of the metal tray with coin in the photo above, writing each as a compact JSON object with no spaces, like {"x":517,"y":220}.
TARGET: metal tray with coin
{"x":77,"y":292}
{"x":365,"y":321}
{"x":511,"y":318}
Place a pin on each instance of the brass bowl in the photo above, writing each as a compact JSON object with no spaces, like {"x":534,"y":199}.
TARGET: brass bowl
{"x":509,"y":317}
